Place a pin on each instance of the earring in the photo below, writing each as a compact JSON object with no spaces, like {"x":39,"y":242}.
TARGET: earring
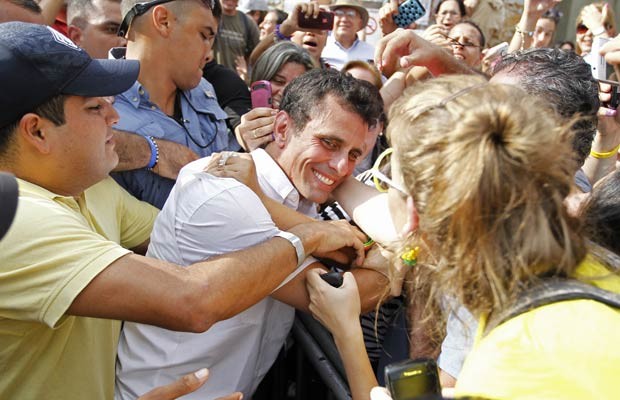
{"x":410,"y":257}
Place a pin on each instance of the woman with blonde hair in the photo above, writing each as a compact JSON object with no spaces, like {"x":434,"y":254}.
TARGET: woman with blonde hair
{"x":479,"y":176}
{"x":596,"y":19}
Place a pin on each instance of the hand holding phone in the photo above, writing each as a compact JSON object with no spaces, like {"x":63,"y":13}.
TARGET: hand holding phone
{"x":413,"y":379}
{"x":408,"y":12}
{"x":260,"y":94}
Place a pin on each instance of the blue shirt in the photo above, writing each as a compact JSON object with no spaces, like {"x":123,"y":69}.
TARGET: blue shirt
{"x":203,"y":130}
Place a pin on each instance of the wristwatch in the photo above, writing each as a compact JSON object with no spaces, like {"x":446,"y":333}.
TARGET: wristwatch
{"x":297,"y":244}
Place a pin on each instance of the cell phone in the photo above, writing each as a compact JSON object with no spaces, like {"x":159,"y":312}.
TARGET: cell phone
{"x":413,"y":379}
{"x":597,"y":61}
{"x":260,"y":93}
{"x":614,"y":101}
{"x":408,"y":12}
{"x":324,"y":22}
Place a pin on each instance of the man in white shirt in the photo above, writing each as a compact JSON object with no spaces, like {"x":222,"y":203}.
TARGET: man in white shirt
{"x":343,"y":45}
{"x":325,"y":124}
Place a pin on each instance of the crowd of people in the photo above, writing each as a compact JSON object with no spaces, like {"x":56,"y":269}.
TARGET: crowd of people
{"x":160,"y":229}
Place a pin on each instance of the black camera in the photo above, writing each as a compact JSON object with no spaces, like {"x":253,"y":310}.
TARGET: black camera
{"x":413,"y":380}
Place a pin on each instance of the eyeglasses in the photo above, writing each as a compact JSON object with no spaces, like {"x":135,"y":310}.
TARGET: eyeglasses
{"x":455,"y":42}
{"x":583,"y":29}
{"x":349,"y":13}
{"x":381,"y":181}
{"x":141,"y":8}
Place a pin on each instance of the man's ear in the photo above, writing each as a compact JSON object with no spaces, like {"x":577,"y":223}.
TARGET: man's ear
{"x":75,"y":34}
{"x":32,"y":130}
{"x":281,"y":127}
{"x":162,"y":19}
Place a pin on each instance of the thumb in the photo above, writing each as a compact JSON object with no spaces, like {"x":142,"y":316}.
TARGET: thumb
{"x":182,"y":386}
{"x":407,"y":61}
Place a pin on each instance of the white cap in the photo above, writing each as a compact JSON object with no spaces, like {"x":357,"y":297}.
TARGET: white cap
{"x":252,"y":5}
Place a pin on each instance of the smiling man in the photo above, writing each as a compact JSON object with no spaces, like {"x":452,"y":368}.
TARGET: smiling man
{"x":343,"y":45}
{"x":170,"y":100}
{"x":323,"y":128}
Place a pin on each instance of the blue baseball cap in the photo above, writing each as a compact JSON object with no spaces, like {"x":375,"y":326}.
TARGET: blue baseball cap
{"x":38,"y":63}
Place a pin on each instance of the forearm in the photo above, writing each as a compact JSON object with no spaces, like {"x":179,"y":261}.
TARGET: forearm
{"x":284,"y":217}
{"x":522,"y":40}
{"x":260,"y":48}
{"x":360,"y":374}
{"x":368,"y":208}
{"x":133,"y":151}
{"x":372,"y":286}
{"x":597,"y":168}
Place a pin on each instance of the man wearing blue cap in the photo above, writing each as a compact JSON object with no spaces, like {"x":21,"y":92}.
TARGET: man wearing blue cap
{"x":66,"y":276}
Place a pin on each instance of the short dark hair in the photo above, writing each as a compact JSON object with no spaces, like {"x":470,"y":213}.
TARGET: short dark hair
{"x":565,"y":81}
{"x":29,"y":5}
{"x":308,"y":91}
{"x":462,"y":9}
{"x":53,"y":109}
{"x":602,"y":213}
{"x":474,"y":25}
{"x":213,"y":5}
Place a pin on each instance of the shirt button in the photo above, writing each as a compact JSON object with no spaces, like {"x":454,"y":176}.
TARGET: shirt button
{"x":134,"y":99}
{"x":153,"y":107}
{"x":141,"y":91}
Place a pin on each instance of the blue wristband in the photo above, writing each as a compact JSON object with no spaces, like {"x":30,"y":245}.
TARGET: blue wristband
{"x":154,"y":152}
{"x":279,"y":34}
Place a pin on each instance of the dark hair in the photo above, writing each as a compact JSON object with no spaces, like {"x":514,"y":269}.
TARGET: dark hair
{"x":309,"y":90}
{"x":568,"y":42}
{"x":53,"y":109}
{"x":476,"y":27}
{"x":565,"y":81}
{"x":602,"y":213}
{"x":553,"y":14}
{"x":213,"y":5}
{"x":462,"y":9}
{"x":29,"y":5}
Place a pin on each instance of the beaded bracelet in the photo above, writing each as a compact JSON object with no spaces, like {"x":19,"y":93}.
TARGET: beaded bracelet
{"x":154,"y":152}
{"x":523,"y":34}
{"x":279,"y":34}
{"x":607,"y":154}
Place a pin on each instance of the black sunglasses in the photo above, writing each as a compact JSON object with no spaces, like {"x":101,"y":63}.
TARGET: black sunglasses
{"x":141,"y":8}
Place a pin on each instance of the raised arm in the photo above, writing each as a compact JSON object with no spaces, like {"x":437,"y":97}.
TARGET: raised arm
{"x":404,"y":48}
{"x":532,"y":11}
{"x":287,"y":28}
{"x":146,"y":290}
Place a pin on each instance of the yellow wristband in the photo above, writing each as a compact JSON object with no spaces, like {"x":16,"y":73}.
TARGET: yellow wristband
{"x":607,"y":154}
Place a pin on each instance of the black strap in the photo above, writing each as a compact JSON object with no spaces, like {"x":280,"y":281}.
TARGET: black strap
{"x":553,"y":290}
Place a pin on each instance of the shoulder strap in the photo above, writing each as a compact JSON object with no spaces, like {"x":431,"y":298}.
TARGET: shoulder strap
{"x":554,"y":290}
{"x":246,"y":28}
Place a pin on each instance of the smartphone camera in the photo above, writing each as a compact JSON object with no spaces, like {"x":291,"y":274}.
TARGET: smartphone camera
{"x":413,"y":380}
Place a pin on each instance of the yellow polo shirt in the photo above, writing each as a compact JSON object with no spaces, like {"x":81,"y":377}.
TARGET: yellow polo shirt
{"x":54,"y":248}
{"x":565,"y":350}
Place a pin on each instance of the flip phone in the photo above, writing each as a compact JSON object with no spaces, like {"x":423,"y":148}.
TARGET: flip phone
{"x":260,"y":94}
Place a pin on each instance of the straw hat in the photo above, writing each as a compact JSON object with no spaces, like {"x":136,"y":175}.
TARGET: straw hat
{"x":352,"y":4}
